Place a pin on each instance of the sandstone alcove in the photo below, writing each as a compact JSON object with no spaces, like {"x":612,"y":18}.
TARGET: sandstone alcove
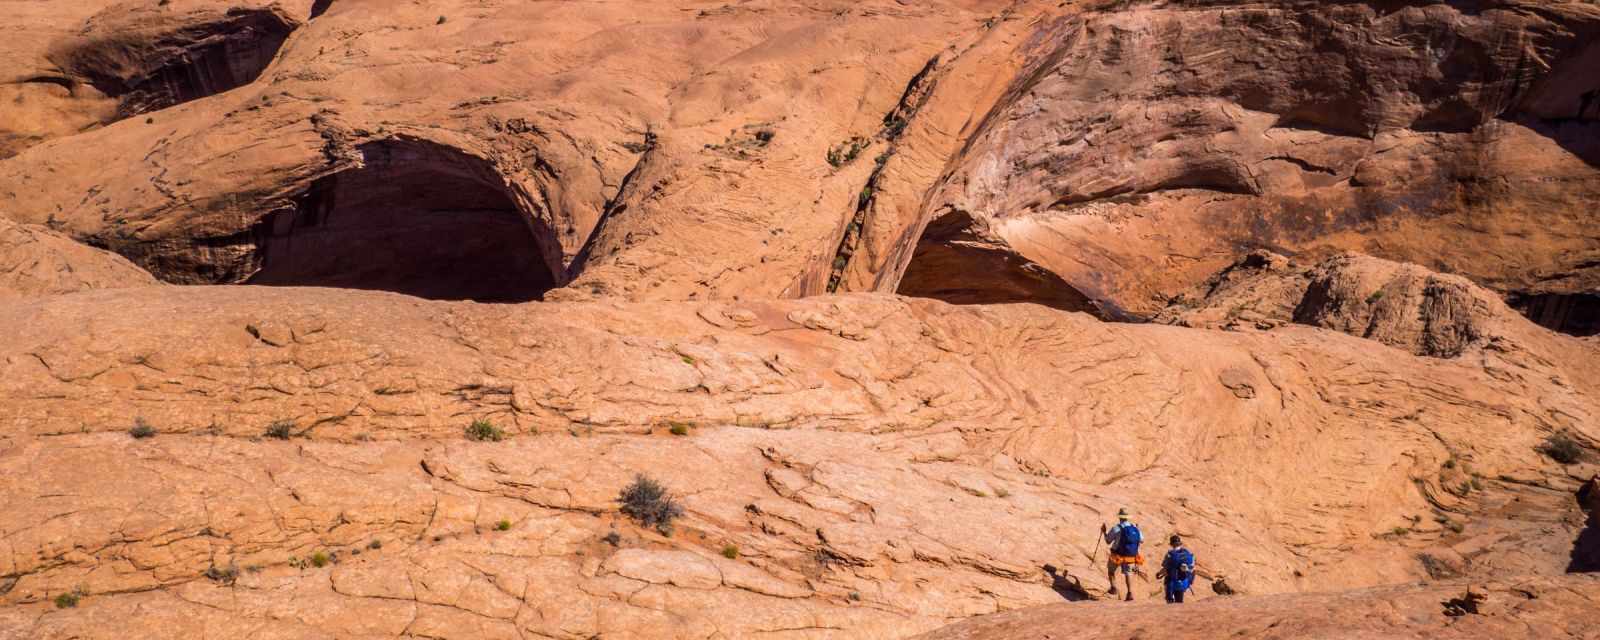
{"x":148,"y":71}
{"x":956,"y":264}
{"x":417,"y":218}
{"x":1576,"y":314}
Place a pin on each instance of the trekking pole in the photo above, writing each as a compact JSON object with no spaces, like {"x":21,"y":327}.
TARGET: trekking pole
{"x":1096,"y":554}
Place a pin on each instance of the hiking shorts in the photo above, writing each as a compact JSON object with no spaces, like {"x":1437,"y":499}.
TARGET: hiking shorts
{"x":1127,"y":563}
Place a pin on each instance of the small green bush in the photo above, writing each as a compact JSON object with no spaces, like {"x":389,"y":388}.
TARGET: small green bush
{"x":730,"y":552}
{"x":485,"y":431}
{"x":375,"y":545}
{"x":1375,"y":297}
{"x":141,"y":429}
{"x":678,"y":428}
{"x":282,"y":430}
{"x":1562,"y":448}
{"x":68,"y":600}
{"x":320,"y":559}
{"x":646,"y":501}
{"x":503,"y":525}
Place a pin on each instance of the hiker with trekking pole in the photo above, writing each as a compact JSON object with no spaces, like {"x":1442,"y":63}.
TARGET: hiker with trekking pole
{"x":1124,"y":539}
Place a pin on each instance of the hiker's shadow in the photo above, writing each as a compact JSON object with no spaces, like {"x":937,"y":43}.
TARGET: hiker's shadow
{"x":1586,"y":548}
{"x":1068,"y":586}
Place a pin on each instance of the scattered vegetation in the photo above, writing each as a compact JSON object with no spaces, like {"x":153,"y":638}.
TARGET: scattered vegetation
{"x":612,"y":539}
{"x":1375,"y":297}
{"x":843,"y":153}
{"x":1455,"y":527}
{"x":320,"y":559}
{"x":222,"y":575}
{"x":1465,"y":489}
{"x":855,"y":596}
{"x":765,"y":136}
{"x":1450,"y":464}
{"x":866,"y":197}
{"x":1400,"y":531}
{"x":485,"y":431}
{"x":894,"y":126}
{"x":730,"y":552}
{"x":141,"y":429}
{"x":502,"y":525}
{"x":678,"y":428}
{"x":69,"y":599}
{"x":375,"y":545}
{"x":282,"y":430}
{"x":650,"y":504}
{"x":1562,"y":448}
{"x":688,"y":360}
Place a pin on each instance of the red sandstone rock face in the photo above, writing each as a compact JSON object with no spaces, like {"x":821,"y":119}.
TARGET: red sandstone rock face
{"x":1142,"y":148}
{"x":667,"y":176}
{"x":35,"y":261}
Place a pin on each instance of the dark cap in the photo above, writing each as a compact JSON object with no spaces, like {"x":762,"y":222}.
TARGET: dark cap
{"x":1176,"y":540}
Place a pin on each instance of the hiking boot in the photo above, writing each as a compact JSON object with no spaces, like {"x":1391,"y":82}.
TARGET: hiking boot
{"x":1113,"y":591}
{"x":1130,"y":597}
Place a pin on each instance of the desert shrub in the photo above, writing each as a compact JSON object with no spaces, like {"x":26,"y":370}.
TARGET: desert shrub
{"x":646,"y":501}
{"x":842,"y":154}
{"x":678,"y":428}
{"x":320,"y":559}
{"x":375,"y":545}
{"x":282,"y":430}
{"x":485,"y":431}
{"x":730,"y":552}
{"x":612,"y":539}
{"x":141,"y":429}
{"x":503,"y":525}
{"x":1562,"y":448}
{"x":222,"y":575}
{"x":68,"y":600}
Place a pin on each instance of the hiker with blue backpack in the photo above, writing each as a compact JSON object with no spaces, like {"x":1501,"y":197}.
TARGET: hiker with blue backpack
{"x":1177,"y":569}
{"x":1124,"y":539}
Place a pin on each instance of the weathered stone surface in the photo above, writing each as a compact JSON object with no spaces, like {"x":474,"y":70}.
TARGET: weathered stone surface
{"x":1530,"y":608}
{"x":281,"y":461}
{"x":918,"y":468}
{"x":35,"y":261}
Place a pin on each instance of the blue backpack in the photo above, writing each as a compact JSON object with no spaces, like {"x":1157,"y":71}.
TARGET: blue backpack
{"x":1128,"y":541}
{"x":1178,"y":564}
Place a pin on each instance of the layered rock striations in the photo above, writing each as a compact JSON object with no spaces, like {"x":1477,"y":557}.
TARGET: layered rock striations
{"x":508,"y":257}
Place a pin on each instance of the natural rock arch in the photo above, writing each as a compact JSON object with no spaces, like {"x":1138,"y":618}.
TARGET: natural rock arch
{"x":957,"y":262}
{"x":416,"y":218}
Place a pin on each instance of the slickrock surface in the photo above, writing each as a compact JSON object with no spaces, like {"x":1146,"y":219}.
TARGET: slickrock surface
{"x":35,"y":261}
{"x":1364,"y":231}
{"x":880,"y":465}
{"x":1536,"y":608}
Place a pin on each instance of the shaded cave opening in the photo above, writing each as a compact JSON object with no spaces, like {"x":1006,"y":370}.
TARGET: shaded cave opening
{"x":169,"y":69}
{"x":416,"y":218}
{"x":1575,"y":314}
{"x":953,"y":262}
